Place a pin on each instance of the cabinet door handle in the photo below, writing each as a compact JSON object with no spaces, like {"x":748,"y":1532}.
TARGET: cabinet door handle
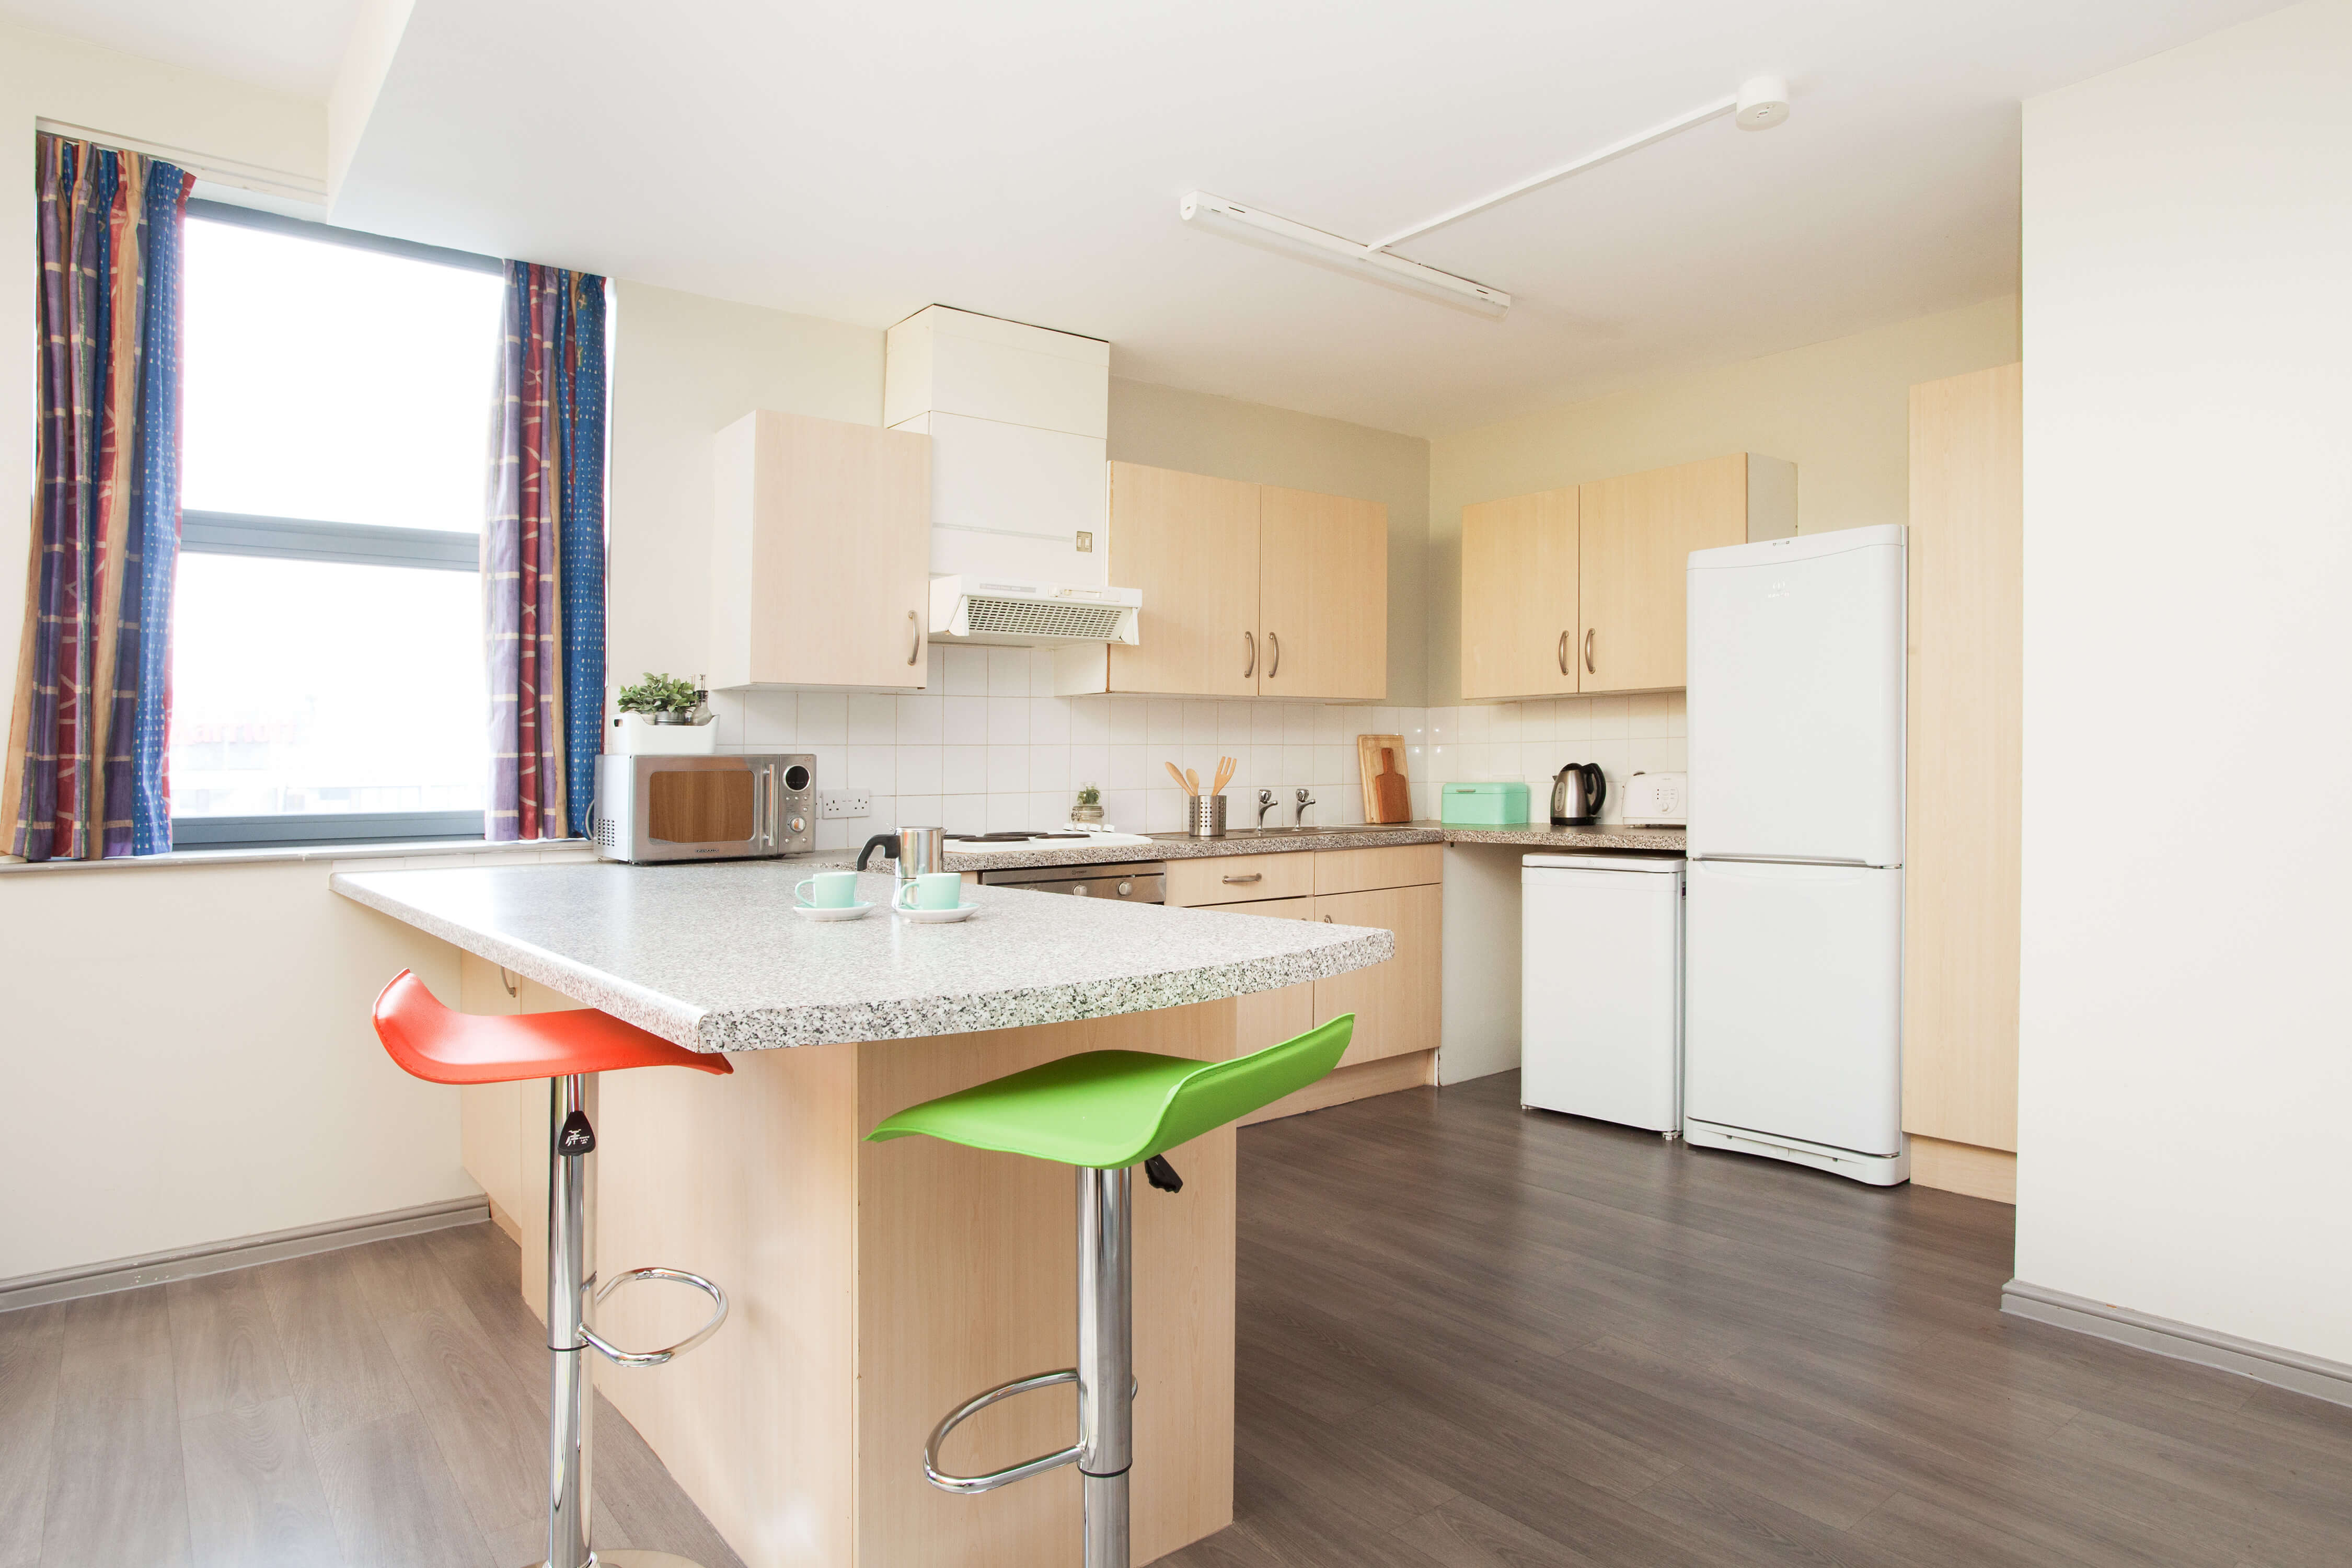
{"x":1563,"y":653}
{"x":1249,"y":640}
{"x":1327,"y":920}
{"x":1588,"y":654}
{"x":915,"y":633}
{"x":1253,"y":877}
{"x":1274,"y":659}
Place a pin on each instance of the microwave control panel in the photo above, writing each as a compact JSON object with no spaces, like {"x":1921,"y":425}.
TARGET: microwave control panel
{"x":796,"y":803}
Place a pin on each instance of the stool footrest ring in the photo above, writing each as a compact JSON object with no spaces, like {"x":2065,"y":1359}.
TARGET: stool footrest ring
{"x":969,"y":1485}
{"x":655,"y":1358}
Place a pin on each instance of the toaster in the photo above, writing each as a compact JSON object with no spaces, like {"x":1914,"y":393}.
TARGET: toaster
{"x":1656,"y":800}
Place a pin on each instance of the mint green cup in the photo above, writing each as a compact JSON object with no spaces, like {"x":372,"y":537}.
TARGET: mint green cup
{"x":832,"y":890}
{"x":934,"y":891}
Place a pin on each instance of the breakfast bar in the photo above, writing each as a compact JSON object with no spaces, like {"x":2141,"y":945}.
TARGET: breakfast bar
{"x":875,"y":1287}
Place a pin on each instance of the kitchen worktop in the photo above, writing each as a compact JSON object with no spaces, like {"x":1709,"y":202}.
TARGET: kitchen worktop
{"x":1182,"y":846}
{"x":713,"y":958}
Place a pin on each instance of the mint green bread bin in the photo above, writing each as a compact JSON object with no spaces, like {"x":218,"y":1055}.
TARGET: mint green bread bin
{"x":1483,"y":805}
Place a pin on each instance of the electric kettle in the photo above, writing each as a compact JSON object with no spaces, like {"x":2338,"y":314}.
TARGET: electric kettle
{"x":1577,"y":792}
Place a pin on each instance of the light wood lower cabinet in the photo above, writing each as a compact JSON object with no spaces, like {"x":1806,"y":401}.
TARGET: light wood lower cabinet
{"x":1393,"y":888}
{"x":1395,"y":1002}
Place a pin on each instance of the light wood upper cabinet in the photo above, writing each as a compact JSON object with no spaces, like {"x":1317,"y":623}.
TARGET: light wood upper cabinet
{"x":1518,"y":595}
{"x":1323,"y":596}
{"x":1248,"y":591}
{"x":1961,"y":863}
{"x":821,"y":556}
{"x":1191,"y":543}
{"x":1634,"y":536}
{"x":1604,"y":563}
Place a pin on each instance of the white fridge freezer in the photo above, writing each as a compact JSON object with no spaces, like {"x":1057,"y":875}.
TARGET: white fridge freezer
{"x":1600,"y":982}
{"x":1794,"y":1026}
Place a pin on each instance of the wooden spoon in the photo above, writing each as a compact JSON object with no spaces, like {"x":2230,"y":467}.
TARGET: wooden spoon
{"x":1192,"y":783}
{"x":1175,"y":774}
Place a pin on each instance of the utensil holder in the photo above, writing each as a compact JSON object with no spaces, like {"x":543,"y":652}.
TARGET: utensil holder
{"x":1204,"y":816}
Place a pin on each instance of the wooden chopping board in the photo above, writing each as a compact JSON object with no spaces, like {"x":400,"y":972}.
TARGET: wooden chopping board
{"x":1379,"y":764}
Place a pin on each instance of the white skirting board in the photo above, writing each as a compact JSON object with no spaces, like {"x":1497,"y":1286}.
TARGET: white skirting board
{"x":243,"y":1252}
{"x":2311,"y":1374}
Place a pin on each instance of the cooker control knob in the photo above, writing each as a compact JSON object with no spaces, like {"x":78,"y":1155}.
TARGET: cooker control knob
{"x":1125,"y":888}
{"x":1079,"y":889}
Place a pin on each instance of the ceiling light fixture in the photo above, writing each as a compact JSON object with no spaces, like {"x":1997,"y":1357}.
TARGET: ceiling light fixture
{"x":1762,"y":103}
{"x":1254,"y":227}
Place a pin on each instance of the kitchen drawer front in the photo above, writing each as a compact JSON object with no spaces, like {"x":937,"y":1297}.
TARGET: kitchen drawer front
{"x":1395,"y":866}
{"x":1241,"y":879}
{"x":1396,"y":1002}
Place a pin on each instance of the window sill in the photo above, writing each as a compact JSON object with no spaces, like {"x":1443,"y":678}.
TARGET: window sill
{"x":392,"y":857}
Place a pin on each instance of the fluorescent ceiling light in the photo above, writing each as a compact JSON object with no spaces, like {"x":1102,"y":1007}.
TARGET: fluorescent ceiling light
{"x":1252,"y":225}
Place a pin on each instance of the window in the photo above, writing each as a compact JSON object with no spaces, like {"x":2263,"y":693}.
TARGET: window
{"x":326,"y":667}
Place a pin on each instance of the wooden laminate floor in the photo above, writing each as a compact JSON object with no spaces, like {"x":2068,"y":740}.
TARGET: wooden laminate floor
{"x":1470,"y":1337}
{"x":385,"y":1405}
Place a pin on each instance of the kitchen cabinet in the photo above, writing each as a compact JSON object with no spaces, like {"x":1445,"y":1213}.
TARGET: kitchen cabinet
{"x":1323,"y":596}
{"x":1395,"y":887}
{"x":1965,"y":775}
{"x":1395,"y":1002}
{"x":1582,"y":589}
{"x":1518,"y":595}
{"x":1248,"y":591}
{"x":1191,"y":543}
{"x":821,"y":554}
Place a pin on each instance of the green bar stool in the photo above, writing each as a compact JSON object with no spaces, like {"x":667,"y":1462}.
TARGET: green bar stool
{"x":1104,"y":1112}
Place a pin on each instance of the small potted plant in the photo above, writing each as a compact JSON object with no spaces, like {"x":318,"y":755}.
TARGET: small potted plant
{"x":675,"y":707}
{"x":1089,"y":807}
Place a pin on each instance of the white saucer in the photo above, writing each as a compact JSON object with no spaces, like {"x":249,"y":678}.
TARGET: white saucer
{"x":937,"y":917}
{"x":846,"y":912}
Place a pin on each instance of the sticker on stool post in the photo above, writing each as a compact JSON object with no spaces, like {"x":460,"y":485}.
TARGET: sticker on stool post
{"x":576,"y":1137}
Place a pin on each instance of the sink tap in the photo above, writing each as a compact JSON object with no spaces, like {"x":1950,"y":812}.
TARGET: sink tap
{"x":1264,"y":804}
{"x":1305,"y":800}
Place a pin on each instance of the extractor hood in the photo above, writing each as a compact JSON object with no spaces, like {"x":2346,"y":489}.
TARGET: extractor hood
{"x":1018,"y":417}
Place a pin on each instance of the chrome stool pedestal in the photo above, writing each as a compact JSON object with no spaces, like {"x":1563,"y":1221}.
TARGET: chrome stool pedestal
{"x":1105,"y":1376}
{"x":572,"y":1291}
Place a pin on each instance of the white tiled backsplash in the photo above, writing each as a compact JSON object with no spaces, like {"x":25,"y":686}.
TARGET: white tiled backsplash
{"x":989,"y":747}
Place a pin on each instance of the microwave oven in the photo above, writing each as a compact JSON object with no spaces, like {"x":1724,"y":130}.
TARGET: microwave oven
{"x":652,"y":809}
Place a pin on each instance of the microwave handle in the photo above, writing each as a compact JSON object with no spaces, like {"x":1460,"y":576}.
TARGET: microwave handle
{"x":763,"y":795}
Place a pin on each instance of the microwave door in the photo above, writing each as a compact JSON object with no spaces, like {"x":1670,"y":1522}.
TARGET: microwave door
{"x":702,"y":806}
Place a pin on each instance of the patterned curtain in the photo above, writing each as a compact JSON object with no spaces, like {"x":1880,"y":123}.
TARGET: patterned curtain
{"x":543,"y":555}
{"x":88,"y":733}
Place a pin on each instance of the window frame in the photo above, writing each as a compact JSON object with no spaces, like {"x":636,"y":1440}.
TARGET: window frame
{"x":342,"y":543}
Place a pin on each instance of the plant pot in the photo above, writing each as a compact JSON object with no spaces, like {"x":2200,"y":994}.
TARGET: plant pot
{"x":1087,"y":813}
{"x":662,"y":735}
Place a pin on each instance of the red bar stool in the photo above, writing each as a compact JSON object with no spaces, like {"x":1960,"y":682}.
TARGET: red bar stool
{"x":568,"y":1049}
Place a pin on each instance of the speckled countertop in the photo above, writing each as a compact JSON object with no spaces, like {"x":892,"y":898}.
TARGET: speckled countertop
{"x":1181,"y":846}
{"x":712,"y":957}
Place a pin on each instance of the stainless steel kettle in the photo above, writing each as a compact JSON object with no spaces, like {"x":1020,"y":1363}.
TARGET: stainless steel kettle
{"x":1577,"y":792}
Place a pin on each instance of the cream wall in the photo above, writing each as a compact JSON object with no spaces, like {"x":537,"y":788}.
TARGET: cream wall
{"x":2184,"y":1069}
{"x":1839,"y":410}
{"x":1202,"y":433}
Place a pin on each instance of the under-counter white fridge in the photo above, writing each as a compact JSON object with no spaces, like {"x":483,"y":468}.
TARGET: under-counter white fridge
{"x":1793,"y":995}
{"x":1600,"y":981}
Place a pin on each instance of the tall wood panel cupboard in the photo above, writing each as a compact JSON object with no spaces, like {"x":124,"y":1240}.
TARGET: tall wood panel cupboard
{"x":1249,"y":590}
{"x":1581,"y":588}
{"x":1961,"y":885}
{"x":821,"y":554}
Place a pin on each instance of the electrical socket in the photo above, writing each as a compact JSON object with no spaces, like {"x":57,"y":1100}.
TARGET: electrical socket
{"x":836,"y":803}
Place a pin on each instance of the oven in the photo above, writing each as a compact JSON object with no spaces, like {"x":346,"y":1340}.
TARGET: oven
{"x":1127,"y":881}
{"x":654,"y":809}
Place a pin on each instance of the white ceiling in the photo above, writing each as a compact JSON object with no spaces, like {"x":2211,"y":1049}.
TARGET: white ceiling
{"x":1025,"y":157}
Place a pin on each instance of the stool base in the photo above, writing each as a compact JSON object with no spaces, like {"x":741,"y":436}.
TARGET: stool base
{"x":625,"y":1558}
